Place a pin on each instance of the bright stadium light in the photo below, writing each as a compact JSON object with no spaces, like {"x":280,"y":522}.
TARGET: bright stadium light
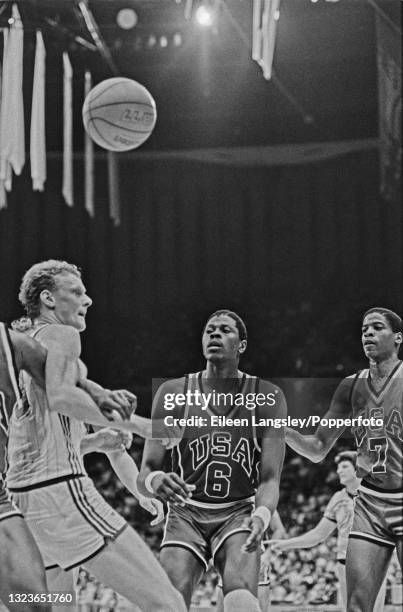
{"x":204,"y":16}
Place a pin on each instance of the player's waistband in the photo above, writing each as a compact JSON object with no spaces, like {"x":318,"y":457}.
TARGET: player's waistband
{"x":371,"y":489}
{"x":45,"y":483}
{"x":207,"y":505}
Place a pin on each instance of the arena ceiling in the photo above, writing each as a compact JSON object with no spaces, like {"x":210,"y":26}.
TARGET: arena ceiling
{"x":209,"y":92}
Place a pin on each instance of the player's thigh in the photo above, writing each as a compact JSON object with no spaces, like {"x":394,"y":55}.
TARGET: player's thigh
{"x":21,"y":565}
{"x":61,"y":582}
{"x":263,"y":595}
{"x":128,"y":566}
{"x":239,"y":569}
{"x":380,"y":599}
{"x":183,"y":568}
{"x":366,"y":566}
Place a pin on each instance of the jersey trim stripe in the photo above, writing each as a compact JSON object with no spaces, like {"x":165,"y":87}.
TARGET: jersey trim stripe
{"x":91,"y":556}
{"x":179,"y":544}
{"x":225,"y":537}
{"x":255,"y":437}
{"x":73,"y":460}
{"x":369,"y":490}
{"x":11,"y":365}
{"x":378,"y":395}
{"x":193,"y":502}
{"x":94,"y":513}
{"x":370,"y":538}
{"x":46,"y":483}
{"x":86,"y":510}
{"x":8,"y":515}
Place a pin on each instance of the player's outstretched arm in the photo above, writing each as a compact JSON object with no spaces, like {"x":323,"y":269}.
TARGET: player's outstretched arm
{"x":277,"y":527}
{"x":316,"y":446}
{"x":127,"y":471}
{"x":114,"y":444}
{"x":311,"y":538}
{"x":121,"y":400}
{"x":271,"y":463}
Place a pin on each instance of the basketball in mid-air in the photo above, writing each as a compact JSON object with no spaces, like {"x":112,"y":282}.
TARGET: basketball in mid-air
{"x":119,"y":114}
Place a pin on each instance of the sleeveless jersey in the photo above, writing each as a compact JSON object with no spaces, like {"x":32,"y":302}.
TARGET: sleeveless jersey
{"x":43,"y":445}
{"x":340,"y":510}
{"x":10,"y":395}
{"x":379,"y":459}
{"x":220,"y":460}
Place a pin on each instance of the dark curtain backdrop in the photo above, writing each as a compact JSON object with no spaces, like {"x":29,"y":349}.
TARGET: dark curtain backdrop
{"x":197,"y":234}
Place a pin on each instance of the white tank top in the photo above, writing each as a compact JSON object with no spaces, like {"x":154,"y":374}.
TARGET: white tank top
{"x":43,"y":445}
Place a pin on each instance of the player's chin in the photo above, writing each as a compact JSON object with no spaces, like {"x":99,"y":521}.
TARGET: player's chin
{"x":80,"y":324}
{"x":214,"y":355}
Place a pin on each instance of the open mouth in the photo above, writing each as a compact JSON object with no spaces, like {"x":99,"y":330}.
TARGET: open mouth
{"x":214,"y":345}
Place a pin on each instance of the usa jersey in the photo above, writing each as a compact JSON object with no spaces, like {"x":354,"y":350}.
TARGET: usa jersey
{"x":43,"y":445}
{"x":221,"y":461}
{"x":9,"y":394}
{"x":379,"y":459}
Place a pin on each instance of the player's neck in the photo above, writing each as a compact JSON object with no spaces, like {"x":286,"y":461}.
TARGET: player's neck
{"x":221,"y":370}
{"x":352,"y":487}
{"x":46,"y":317}
{"x":382,"y":369}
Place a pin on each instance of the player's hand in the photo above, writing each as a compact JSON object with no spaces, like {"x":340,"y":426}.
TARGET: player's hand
{"x":154,"y":507}
{"x":265,"y":558}
{"x":118,"y":404}
{"x":107,"y":440}
{"x":256,"y":525}
{"x":278,"y":546}
{"x":171,"y":488}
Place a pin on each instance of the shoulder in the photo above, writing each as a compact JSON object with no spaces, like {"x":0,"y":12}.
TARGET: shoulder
{"x":265,"y":386}
{"x":165,"y":397}
{"x":271,"y":399}
{"x":345,"y":387}
{"x":26,"y":349}
{"x":66,"y":335}
{"x":337,"y":497}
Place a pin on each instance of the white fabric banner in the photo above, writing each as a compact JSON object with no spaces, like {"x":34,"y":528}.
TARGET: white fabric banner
{"x":88,"y":159}
{"x":12,"y":146}
{"x":38,"y":136}
{"x":68,"y":187}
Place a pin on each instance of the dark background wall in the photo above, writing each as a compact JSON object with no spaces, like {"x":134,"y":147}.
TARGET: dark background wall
{"x":315,"y":240}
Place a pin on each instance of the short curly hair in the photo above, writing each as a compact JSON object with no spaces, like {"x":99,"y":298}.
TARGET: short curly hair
{"x":241,"y":327}
{"x":39,"y":277}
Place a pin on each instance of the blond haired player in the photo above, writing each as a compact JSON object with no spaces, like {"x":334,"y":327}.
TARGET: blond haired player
{"x":22,"y":573}
{"x":71,"y":522}
{"x":374,"y":393}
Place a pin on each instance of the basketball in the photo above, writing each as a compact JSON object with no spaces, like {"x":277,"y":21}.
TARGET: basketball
{"x":119,"y":114}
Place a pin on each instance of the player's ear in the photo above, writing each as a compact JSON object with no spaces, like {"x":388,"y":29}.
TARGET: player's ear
{"x":46,"y":298}
{"x":399,"y":338}
{"x":242,"y":346}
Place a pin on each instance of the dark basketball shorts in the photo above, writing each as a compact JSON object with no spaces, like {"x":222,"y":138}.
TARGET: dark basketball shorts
{"x":204,"y":530}
{"x":378,"y":518}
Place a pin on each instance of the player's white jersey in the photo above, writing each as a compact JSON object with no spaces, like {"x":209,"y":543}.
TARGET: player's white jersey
{"x":43,"y":445}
